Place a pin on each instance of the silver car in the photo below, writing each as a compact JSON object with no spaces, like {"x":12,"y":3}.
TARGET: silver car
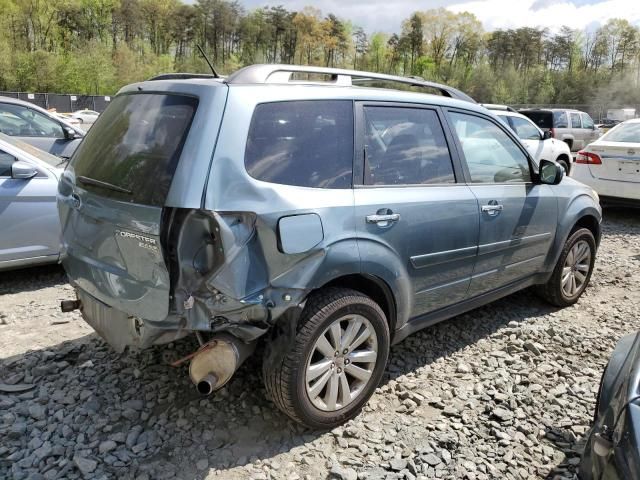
{"x":38,"y":127}
{"x":573,"y":127}
{"x":28,"y":183}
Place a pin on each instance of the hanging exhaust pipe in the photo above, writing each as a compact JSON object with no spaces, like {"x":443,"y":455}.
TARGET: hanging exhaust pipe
{"x":213,"y":365}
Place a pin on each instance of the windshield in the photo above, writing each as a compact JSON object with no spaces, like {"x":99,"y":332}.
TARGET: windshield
{"x":542,"y":118}
{"x":33,"y":151}
{"x":134,"y":147}
{"x":624,"y":133}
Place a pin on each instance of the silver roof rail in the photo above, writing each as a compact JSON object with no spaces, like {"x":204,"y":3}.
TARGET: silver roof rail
{"x":267,"y":73}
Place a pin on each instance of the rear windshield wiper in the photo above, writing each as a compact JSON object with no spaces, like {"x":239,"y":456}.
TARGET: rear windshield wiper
{"x":101,"y":184}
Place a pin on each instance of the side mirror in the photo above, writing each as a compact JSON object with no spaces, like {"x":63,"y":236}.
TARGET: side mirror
{"x":550,"y":173}
{"x":22,"y":170}
{"x":69,"y":133}
{"x":546,"y":135}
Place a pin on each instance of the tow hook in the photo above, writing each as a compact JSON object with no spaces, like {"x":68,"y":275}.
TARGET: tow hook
{"x":70,"y":305}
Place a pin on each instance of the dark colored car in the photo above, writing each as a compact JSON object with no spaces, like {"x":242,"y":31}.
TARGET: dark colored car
{"x":612,"y":450}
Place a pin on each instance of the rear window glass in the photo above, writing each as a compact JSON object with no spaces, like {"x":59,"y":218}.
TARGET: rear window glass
{"x":135,"y":146}
{"x":625,"y":133}
{"x":543,"y":119}
{"x":305,"y":143}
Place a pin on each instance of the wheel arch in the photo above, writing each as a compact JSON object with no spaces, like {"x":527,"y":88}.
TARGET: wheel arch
{"x":580,"y":213}
{"x":373,"y":287}
{"x":591,"y":223}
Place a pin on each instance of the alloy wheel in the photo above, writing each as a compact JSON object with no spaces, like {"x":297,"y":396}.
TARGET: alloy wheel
{"x":576,"y":269}
{"x":341,"y":363}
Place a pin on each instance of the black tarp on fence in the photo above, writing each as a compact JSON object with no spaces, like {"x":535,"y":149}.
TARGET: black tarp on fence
{"x":63,"y":103}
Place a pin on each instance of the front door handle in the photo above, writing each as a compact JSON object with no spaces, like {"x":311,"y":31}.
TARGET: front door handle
{"x":492,"y":210}
{"x":383,"y":218}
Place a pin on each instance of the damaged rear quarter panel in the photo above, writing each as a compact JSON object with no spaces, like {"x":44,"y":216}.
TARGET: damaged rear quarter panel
{"x":256,"y":282}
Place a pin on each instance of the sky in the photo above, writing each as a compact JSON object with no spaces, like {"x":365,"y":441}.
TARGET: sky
{"x":387,"y":15}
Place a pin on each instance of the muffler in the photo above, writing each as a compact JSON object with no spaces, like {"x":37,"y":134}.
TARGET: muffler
{"x":216,"y":361}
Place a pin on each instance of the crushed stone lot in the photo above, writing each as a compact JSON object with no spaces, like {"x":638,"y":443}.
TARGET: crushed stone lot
{"x":505,"y":391}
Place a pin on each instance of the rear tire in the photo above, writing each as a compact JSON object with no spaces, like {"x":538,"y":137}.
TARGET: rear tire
{"x":324,"y":376}
{"x":573,"y":270}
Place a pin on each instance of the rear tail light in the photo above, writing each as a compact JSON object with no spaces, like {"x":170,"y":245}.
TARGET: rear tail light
{"x":552,"y":132}
{"x":588,"y":157}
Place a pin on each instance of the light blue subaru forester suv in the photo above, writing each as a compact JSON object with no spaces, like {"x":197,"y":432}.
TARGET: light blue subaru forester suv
{"x":323,"y":213}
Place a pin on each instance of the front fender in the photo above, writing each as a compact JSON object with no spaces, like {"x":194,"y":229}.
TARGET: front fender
{"x":577,"y":207}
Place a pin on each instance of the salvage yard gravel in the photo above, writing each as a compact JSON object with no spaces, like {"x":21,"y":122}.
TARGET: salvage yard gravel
{"x":506,"y":391}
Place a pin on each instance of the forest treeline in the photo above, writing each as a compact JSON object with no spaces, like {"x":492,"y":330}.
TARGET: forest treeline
{"x":96,"y":46}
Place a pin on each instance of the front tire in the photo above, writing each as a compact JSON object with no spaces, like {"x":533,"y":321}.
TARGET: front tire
{"x":563,"y":163}
{"x":335,"y":361}
{"x":573,"y":270}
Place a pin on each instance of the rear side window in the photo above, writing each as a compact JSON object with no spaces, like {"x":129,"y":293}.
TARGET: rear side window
{"x":405,"y":146}
{"x":135,"y":146}
{"x":560,"y":120}
{"x":306,"y":143}
{"x":542,"y":118}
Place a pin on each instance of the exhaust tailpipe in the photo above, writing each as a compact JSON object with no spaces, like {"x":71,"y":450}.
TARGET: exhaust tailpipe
{"x":207,"y":384}
{"x":216,"y":361}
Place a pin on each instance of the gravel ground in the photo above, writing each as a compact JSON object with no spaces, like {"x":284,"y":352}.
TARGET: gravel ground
{"x":506,"y":391}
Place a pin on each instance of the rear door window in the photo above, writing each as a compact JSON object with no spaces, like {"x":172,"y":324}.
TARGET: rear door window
{"x":575,"y":120}
{"x":405,"y":146}
{"x":135,"y":146}
{"x":307,"y":143}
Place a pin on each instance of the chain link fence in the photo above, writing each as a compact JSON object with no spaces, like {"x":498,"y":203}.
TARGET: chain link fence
{"x":63,"y":103}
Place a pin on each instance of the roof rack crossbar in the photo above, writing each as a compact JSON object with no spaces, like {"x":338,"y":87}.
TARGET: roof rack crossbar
{"x":268,"y":73}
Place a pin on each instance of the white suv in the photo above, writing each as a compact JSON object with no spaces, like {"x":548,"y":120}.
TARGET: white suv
{"x":539,"y":144}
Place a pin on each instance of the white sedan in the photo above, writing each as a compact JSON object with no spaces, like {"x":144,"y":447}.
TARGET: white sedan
{"x":538,"y":143}
{"x":85,"y":116}
{"x":611,"y":164}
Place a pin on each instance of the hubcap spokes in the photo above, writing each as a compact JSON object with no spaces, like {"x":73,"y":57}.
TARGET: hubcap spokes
{"x":341,"y":363}
{"x":576,"y":268}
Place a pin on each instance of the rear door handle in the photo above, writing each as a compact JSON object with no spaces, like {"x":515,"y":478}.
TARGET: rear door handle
{"x":492,"y":209}
{"x":393,"y":217}
{"x":383,"y":218}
